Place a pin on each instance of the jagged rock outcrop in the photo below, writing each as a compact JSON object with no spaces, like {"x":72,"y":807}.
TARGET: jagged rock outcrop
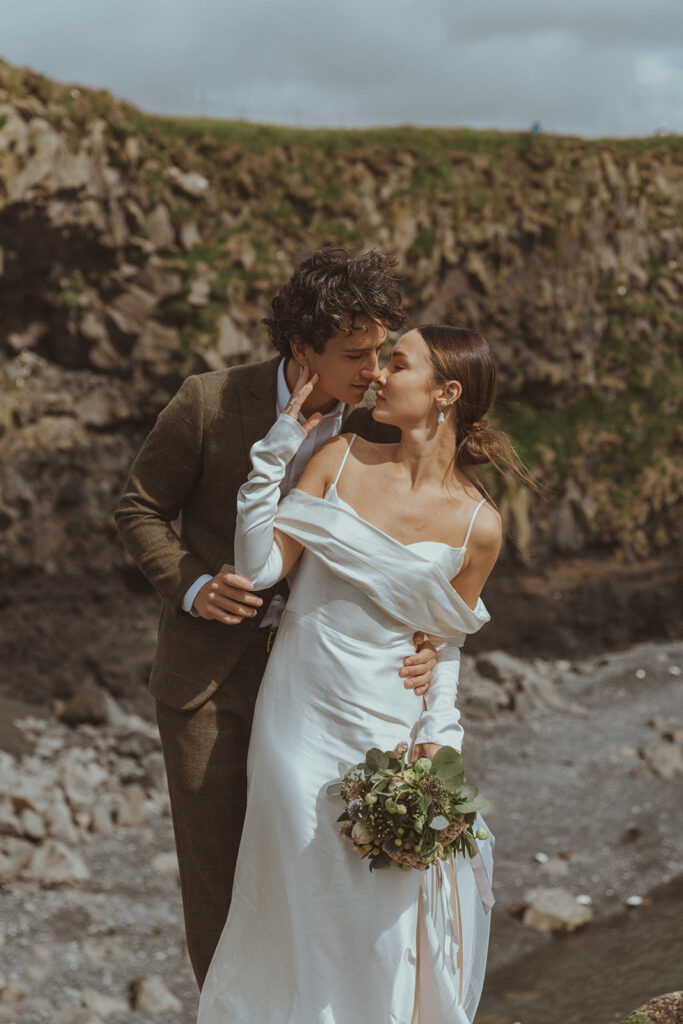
{"x":136,"y":249}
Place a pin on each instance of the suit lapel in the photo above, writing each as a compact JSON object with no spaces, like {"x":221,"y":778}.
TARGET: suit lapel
{"x":257,"y":391}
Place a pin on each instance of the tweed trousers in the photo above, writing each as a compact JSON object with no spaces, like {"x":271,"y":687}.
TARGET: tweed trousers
{"x":205,"y":752}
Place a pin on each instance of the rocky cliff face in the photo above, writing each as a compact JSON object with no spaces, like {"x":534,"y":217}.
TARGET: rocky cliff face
{"x":135,"y":249}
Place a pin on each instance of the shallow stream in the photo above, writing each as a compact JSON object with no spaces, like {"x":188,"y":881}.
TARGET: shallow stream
{"x":596,"y":975}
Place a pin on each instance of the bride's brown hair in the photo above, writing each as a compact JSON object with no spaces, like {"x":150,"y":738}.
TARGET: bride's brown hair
{"x":458,"y":353}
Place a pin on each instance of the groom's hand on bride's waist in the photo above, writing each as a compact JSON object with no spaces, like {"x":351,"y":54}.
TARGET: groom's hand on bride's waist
{"x":228,"y":597}
{"x":417,"y":668}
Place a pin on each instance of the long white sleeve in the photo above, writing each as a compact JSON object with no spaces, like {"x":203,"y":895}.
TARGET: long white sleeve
{"x":440,"y":721}
{"x":257,"y":556}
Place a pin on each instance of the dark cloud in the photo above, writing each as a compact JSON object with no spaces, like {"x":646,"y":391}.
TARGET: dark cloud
{"x":595,"y":67}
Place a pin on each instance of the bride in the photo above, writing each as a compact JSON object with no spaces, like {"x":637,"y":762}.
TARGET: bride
{"x":384,"y":540}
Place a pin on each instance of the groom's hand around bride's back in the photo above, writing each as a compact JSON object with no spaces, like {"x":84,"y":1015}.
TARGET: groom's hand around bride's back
{"x":227,"y":598}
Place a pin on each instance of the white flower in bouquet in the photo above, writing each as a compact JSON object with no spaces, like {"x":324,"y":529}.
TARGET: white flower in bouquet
{"x":361,"y":833}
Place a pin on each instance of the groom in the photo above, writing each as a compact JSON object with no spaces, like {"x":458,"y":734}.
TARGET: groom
{"x":215,"y":634}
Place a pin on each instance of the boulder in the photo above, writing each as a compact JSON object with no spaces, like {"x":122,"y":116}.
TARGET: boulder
{"x":19,"y":340}
{"x":81,"y":781}
{"x":231,"y":341}
{"x":157,"y":348}
{"x":131,"y":809}
{"x":664,"y":757}
{"x":191,"y":183}
{"x":150,"y":995}
{"x":129,"y":311}
{"x":167,"y":864}
{"x":161,"y":233}
{"x":200,"y":287}
{"x":9,"y":819}
{"x":554,"y":910}
{"x":189,"y":235}
{"x":53,"y":863}
{"x":99,"y":1003}
{"x":14,"y":855}
{"x":667,"y":1009}
{"x":58,"y":819}
{"x":96,"y":409}
{"x":88,"y":704}
{"x":484,"y":700}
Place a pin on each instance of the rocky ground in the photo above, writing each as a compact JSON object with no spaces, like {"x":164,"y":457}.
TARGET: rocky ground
{"x":581,"y":763}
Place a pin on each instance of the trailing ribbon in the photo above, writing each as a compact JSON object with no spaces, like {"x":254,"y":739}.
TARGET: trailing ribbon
{"x":483,"y":882}
{"x":447,"y":916}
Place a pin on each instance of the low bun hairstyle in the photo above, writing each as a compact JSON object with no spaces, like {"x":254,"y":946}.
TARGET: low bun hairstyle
{"x":458,"y":353}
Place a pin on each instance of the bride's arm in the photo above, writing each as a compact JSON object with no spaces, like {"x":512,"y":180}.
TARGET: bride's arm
{"x":481,"y":555}
{"x":439,"y":724}
{"x":262,"y":553}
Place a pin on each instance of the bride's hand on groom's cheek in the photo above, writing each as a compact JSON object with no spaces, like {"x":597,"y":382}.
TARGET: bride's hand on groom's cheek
{"x":302,"y":389}
{"x":227,"y":598}
{"x":417,"y":668}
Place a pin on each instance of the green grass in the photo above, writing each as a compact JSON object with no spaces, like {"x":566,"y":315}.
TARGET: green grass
{"x":633,"y":430}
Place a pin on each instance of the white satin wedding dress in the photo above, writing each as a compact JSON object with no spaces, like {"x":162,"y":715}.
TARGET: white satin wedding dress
{"x":313,"y":937}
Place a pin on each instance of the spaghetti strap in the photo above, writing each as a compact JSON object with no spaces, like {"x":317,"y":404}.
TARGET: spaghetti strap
{"x":474,"y":516}
{"x":339,"y":471}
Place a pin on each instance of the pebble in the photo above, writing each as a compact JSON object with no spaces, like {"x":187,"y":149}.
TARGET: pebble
{"x":166,"y":864}
{"x":150,"y":995}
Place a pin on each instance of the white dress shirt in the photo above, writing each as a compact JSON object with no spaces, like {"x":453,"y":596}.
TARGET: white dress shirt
{"x":329,"y":426}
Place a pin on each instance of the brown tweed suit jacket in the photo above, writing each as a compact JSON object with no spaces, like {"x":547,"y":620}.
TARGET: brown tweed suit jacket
{"x":192,"y":464}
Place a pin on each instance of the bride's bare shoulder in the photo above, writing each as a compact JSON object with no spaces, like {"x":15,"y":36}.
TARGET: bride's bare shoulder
{"x":487,"y":531}
{"x":368,"y":451}
{"x":325,"y":462}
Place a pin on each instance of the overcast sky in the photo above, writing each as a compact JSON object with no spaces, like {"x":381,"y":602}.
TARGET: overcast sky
{"x":588,"y":67}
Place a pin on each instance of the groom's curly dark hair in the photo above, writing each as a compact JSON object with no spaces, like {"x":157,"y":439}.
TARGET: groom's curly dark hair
{"x":329,"y":291}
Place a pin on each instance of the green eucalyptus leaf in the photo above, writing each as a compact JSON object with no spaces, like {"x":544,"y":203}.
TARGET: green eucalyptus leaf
{"x":448,"y":767}
{"x":446,"y":755}
{"x":343,"y":768}
{"x":376,"y":759}
{"x":470,"y":806}
{"x":334,"y":789}
{"x":468,"y":792}
{"x":438,"y":822}
{"x":425,"y":800}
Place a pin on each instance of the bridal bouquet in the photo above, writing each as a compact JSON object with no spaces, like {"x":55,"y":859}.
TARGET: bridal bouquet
{"x":411,"y":813}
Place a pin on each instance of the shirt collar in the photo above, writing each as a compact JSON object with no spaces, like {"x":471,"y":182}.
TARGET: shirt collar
{"x":284,"y":395}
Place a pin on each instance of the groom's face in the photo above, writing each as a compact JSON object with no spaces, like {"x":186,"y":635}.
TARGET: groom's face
{"x":349,"y":362}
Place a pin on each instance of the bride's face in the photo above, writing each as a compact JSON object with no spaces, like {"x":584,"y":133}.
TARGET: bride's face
{"x":407,"y":394}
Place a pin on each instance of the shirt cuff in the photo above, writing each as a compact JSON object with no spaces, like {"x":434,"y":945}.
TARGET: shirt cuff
{"x":188,"y":601}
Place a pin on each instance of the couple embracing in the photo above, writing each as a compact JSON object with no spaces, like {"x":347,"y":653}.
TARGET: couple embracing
{"x":326,"y":572}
